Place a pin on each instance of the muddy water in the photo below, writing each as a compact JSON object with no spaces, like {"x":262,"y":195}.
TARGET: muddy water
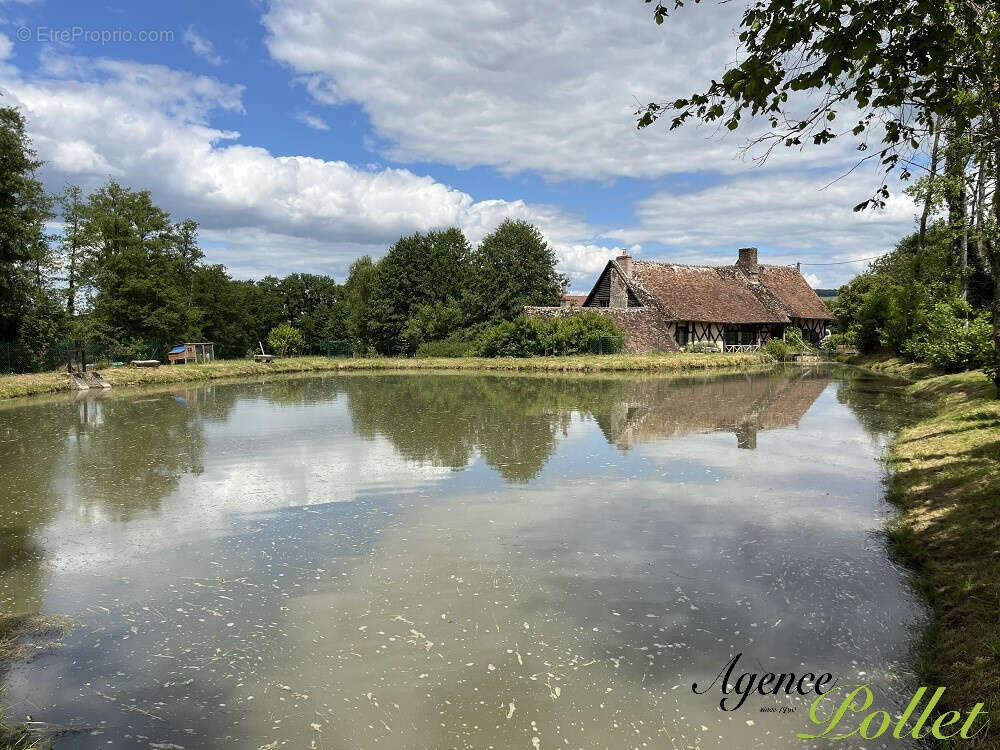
{"x":451,"y":561}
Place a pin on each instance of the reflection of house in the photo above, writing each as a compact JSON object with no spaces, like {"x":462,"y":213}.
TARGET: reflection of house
{"x":659,"y":409}
{"x":664,"y":306}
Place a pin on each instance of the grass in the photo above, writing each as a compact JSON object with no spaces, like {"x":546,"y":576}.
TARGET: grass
{"x":13,"y":386}
{"x":946,"y":482}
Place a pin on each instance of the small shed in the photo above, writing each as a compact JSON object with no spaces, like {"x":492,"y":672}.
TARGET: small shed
{"x":201,"y":351}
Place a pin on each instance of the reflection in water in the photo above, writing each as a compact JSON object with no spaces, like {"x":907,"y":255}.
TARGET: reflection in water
{"x":436,"y":561}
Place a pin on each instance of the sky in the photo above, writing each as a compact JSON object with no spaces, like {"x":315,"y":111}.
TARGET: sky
{"x":302,"y":134}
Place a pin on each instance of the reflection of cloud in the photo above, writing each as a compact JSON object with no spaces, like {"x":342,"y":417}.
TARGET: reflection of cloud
{"x":442,"y":597}
{"x":261,"y":459}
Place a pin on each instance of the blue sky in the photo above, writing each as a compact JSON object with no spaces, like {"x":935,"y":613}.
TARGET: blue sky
{"x":302,"y":133}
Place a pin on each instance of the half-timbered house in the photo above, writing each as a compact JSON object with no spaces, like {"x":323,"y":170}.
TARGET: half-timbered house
{"x":665,"y":306}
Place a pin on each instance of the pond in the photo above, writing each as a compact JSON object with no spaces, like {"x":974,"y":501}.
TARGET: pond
{"x":452,"y":560}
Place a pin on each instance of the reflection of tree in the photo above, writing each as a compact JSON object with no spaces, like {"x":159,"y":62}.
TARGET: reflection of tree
{"x":876,"y":401}
{"x":444,"y":420}
{"x":129,"y":453}
{"x":32,"y":445}
{"x":514,"y":422}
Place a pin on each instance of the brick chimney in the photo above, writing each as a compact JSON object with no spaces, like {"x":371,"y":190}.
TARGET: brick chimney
{"x":625,"y":262}
{"x":748,"y":261}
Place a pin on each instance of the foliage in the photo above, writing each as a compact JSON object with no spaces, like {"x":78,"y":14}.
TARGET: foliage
{"x":529,"y":336}
{"x":433,"y":322}
{"x":285,"y":339}
{"x":418,"y":270}
{"x":777,"y":349}
{"x":444,"y":348}
{"x":793,"y":340}
{"x":953,"y":338}
{"x":512,"y":267}
{"x":24,"y":209}
{"x":900,"y":309}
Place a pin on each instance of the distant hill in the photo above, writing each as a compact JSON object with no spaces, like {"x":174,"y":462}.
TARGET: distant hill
{"x":826,"y":292}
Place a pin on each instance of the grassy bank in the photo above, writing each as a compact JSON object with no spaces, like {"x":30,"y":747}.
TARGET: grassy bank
{"x":946,"y":482}
{"x":12,"y":386}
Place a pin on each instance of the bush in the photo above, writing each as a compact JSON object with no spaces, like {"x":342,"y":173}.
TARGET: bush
{"x":778,"y":349}
{"x":794,"y":341}
{"x":445,"y":348}
{"x":285,"y":340}
{"x":432,"y":323}
{"x":952,"y":338}
{"x":527,"y":337}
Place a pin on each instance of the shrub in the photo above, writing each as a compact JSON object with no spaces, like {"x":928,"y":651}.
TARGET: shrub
{"x":521,"y":337}
{"x":445,"y":348}
{"x":778,"y":349}
{"x":952,"y":338}
{"x":433,"y":322}
{"x":285,"y":340}
{"x":794,"y":341}
{"x":584,"y":333}
{"x":527,"y":337}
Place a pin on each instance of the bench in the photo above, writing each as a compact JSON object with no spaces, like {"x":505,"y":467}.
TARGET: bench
{"x":263,"y":357}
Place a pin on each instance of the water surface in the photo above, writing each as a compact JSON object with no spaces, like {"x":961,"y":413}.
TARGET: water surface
{"x":451,"y":561}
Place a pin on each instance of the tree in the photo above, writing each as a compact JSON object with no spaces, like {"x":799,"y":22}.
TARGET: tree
{"x":285,"y":339}
{"x":418,"y":269}
{"x":141,"y":267}
{"x":897,"y":68}
{"x":24,"y":209}
{"x":71,"y":242}
{"x":514,"y":266}
{"x":358,"y":291}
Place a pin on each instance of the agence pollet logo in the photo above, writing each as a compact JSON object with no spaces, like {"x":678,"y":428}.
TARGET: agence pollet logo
{"x":840,"y":711}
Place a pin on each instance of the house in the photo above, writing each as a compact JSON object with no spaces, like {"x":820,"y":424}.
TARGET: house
{"x":201,"y":351}
{"x":573,"y":300}
{"x":665,"y":306}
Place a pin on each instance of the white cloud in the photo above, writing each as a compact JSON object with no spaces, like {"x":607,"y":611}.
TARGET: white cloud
{"x":313,"y":121}
{"x":6,"y":47}
{"x":520,"y":85}
{"x":151,"y":127}
{"x":800,"y":217}
{"x":261,"y":213}
{"x":201,"y":46}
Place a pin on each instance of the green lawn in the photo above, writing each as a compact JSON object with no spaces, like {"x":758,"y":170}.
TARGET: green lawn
{"x":946,"y":482}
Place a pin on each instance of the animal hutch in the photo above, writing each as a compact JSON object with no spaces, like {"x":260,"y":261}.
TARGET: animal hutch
{"x":200,"y":352}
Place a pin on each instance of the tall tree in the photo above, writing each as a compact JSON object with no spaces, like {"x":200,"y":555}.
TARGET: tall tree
{"x":514,"y":266}
{"x":71,"y":241}
{"x":358,"y":291}
{"x":417,"y":270}
{"x":892,"y":67}
{"x":24,"y":209}
{"x":141,"y":267}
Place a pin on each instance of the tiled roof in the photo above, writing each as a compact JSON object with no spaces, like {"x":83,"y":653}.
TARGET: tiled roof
{"x":725,"y":294}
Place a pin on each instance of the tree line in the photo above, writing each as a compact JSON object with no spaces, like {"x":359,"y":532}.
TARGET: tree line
{"x":123,"y":274}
